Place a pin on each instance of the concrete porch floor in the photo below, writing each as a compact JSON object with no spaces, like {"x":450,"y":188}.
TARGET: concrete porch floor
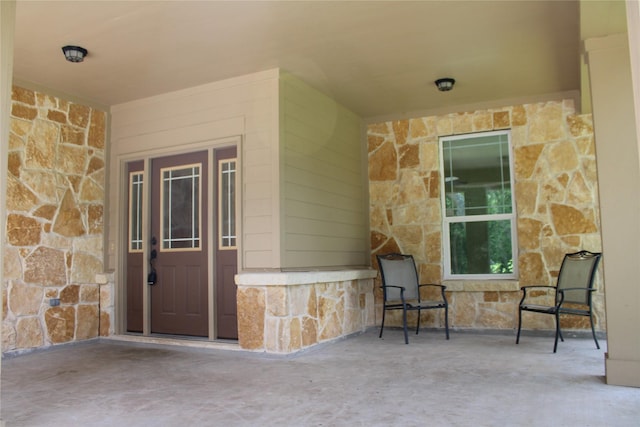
{"x":472,"y":379}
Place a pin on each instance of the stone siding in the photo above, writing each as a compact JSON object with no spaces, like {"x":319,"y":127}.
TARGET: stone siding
{"x":556,"y":198}
{"x":289,"y":318}
{"x":54,"y":229}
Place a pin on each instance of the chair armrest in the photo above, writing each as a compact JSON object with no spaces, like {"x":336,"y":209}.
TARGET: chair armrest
{"x":433,"y":284}
{"x":524,"y":290}
{"x":576,"y":289}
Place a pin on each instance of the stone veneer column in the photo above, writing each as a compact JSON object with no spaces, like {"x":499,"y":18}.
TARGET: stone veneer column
{"x":556,"y":191}
{"x":54,"y":227}
{"x":288,"y":312}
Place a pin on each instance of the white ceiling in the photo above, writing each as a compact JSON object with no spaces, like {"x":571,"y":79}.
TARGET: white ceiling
{"x":378,"y":58}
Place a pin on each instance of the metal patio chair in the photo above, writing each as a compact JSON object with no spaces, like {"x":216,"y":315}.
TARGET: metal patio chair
{"x":574,"y":286}
{"x":401,"y":290}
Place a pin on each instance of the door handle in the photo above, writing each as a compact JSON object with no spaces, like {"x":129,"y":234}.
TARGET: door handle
{"x":152,"y":277}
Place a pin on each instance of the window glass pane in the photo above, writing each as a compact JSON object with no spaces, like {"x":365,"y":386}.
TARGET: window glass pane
{"x":482,"y":247}
{"x":181,"y":208}
{"x":227,"y":214}
{"x":477,"y":175}
{"x":135,"y":211}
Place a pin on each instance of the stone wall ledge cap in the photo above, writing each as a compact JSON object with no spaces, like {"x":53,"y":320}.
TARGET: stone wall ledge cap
{"x":290,"y":278}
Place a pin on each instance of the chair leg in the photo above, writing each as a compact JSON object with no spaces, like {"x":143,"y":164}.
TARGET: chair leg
{"x":382,"y":326}
{"x":404,"y":323}
{"x":519,"y":325}
{"x":446,"y":320}
{"x":418,"y":323}
{"x":555,"y":344}
{"x":593,"y":331}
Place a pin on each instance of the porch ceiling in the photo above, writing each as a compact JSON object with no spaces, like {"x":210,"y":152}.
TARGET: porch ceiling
{"x":379,"y":59}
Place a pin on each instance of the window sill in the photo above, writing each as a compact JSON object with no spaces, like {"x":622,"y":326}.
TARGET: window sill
{"x":482,"y":285}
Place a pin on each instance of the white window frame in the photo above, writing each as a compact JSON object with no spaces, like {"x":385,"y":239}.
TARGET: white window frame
{"x":446,"y":221}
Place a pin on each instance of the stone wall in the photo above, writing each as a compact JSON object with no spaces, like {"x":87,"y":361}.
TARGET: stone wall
{"x":556,"y":200}
{"x":291,"y":317}
{"x":54,"y":230}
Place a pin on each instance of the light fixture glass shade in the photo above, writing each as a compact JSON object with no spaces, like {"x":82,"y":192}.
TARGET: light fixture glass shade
{"x":74,"y":53}
{"x":445,"y":84}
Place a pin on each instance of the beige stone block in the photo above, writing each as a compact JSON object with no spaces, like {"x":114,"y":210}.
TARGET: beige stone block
{"x":29,"y":333}
{"x":383,"y":163}
{"x":569,"y":220}
{"x":378,"y":239}
{"x":409,"y":156}
{"x":46,"y":101}
{"x":462,"y":310}
{"x":69,"y":135}
{"x":526,"y":159}
{"x":312,"y":303}
{"x":23,"y":112}
{"x":590,"y":170}
{"x":501,"y":120}
{"x":87,"y":322}
{"x":22,"y":95}
{"x":378,"y":219}
{"x":529,"y":233}
{"x":46,"y":212}
{"x":330,"y":327}
{"x":418,"y":128}
{"x":429,"y":156}
{"x":20,"y":128}
{"x":22,"y":230}
{"x":400,"y":130}
{"x":531,"y":268}
{"x":518,"y":116}
{"x":43,"y":183}
{"x":8,"y":336}
{"x":60,"y":322}
{"x":430,"y":273}
{"x":309,"y":331}
{"x":578,"y":192}
{"x":482,"y":121}
{"x":14,"y":163}
{"x":71,"y":159}
{"x":462,"y":123}
{"x":25,"y":299}
{"x":106,"y":296}
{"x":57,"y":116}
{"x":85,"y":267}
{"x":95,"y":164}
{"x":19,"y":197}
{"x":105,"y":324}
{"x":374,"y":142}
{"x":12,"y":264}
{"x":91,"y":191}
{"x":496,"y":316}
{"x":95,"y":219}
{"x":379,"y":192}
{"x":251,"y":318}
{"x":433,"y":247}
{"x":277,"y":301}
{"x":46,"y":267}
{"x":295,"y":333}
{"x":581,"y":125}
{"x":411,"y":189}
{"x":97,"y":129}
{"x":546,"y":124}
{"x":444,"y":125}
{"x":562,"y":157}
{"x":379,"y":128}
{"x":69,"y":220}
{"x":586,"y":146}
{"x":79,"y":115}
{"x":70,"y":294}
{"x":89,"y":293}
{"x":41,"y":145}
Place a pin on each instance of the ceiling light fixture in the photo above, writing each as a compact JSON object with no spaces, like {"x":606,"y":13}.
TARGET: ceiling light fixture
{"x":74,"y":53}
{"x":445,"y":84}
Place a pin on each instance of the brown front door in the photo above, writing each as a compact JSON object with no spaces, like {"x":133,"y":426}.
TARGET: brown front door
{"x":179,"y":297}
{"x":226,"y":245}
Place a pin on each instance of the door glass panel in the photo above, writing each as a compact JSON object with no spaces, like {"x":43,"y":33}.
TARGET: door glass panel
{"x":135,"y":211}
{"x":180,"y":207}
{"x":227,"y":204}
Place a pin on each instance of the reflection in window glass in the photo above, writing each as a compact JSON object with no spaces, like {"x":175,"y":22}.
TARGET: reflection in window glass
{"x":181,"y":207}
{"x":135,"y":211}
{"x":479,"y":215}
{"x":227,"y":211}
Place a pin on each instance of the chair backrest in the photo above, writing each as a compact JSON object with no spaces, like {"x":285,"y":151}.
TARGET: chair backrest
{"x":399,"y":270}
{"x":578,"y":270}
